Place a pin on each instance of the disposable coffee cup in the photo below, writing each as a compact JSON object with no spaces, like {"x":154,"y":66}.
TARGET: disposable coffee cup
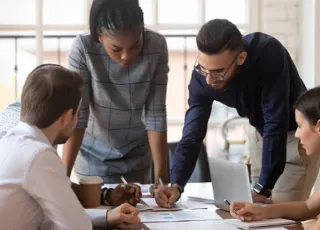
{"x":90,"y":187}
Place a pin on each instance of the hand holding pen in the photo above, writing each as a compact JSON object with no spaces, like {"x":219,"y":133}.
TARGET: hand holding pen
{"x":163,"y":188}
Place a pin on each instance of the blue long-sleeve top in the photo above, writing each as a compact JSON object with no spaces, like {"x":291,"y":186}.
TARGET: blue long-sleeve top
{"x":264,"y":91}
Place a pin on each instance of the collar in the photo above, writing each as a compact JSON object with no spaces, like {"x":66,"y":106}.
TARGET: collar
{"x":33,"y":131}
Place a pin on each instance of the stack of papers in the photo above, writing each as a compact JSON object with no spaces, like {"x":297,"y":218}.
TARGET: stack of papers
{"x":261,"y":223}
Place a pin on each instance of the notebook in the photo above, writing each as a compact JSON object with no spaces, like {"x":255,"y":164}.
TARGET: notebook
{"x":262,"y":223}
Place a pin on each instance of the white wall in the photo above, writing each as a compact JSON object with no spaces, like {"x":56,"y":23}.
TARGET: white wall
{"x":296,"y":23}
{"x":307,"y":45}
{"x":310,"y":45}
{"x":281,"y":19}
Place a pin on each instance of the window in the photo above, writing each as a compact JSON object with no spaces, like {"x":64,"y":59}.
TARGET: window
{"x":178,"y":12}
{"x":23,"y":59}
{"x":21,"y":12}
{"x":148,"y":11}
{"x":233,"y":10}
{"x":62,"y":12}
{"x":69,"y":18}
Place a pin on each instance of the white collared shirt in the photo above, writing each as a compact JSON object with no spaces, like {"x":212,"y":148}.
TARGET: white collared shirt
{"x":34,"y":185}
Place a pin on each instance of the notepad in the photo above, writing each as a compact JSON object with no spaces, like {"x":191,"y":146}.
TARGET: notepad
{"x":261,"y":223}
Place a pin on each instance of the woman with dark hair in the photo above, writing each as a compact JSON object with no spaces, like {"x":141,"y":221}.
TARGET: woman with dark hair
{"x":123,"y":113}
{"x":307,"y":113}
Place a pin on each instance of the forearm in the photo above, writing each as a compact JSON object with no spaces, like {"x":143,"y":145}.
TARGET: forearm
{"x":71,"y":149}
{"x":291,"y":210}
{"x":184,"y":161}
{"x":159,"y":148}
{"x":273,"y":159}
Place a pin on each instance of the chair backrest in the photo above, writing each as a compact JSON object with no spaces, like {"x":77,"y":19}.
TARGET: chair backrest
{"x":201,"y":172}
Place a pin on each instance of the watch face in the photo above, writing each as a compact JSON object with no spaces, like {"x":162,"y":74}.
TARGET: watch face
{"x":257,"y":188}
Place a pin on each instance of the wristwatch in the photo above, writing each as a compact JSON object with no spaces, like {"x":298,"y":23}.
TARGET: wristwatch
{"x":104,"y":194}
{"x":259,"y":189}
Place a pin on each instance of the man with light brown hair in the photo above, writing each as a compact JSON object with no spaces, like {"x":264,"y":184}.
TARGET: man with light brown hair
{"x":33,"y":181}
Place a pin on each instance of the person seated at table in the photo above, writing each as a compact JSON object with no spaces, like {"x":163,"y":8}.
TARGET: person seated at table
{"x":34,"y":186}
{"x":130,"y":193}
{"x":307,"y":114}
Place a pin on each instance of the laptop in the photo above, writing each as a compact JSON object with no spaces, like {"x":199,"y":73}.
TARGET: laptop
{"x":230,"y":181}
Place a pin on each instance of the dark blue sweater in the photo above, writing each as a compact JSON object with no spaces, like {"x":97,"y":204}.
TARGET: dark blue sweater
{"x":264,"y":91}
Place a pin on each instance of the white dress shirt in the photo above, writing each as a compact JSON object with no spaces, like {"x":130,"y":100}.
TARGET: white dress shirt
{"x":34,"y":185}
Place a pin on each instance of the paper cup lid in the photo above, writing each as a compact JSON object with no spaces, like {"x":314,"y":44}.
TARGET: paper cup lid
{"x":90,"y":180}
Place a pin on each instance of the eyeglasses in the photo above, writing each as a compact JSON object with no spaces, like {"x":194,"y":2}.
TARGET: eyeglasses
{"x":216,"y":76}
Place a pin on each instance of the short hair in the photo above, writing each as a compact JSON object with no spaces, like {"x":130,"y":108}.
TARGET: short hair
{"x":114,"y":15}
{"x":219,"y":35}
{"x":308,"y":103}
{"x":48,"y":92}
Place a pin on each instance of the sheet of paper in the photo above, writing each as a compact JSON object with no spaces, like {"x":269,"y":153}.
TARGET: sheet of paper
{"x":191,"y":205}
{"x":151,"y":202}
{"x":140,"y":207}
{"x":186,"y":215}
{"x":145,"y":188}
{"x":143,"y":207}
{"x":262,"y":223}
{"x":109,"y":185}
{"x":279,"y":228}
{"x":201,"y":199}
{"x":220,"y":225}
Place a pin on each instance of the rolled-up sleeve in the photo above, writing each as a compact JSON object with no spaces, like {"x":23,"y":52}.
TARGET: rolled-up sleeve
{"x":155,"y":107}
{"x":77,"y":63}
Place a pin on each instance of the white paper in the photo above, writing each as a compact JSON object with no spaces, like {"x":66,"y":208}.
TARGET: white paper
{"x":145,"y":188}
{"x":143,"y":207}
{"x":280,"y":228}
{"x":151,"y":202}
{"x":175,"y":207}
{"x":110,"y":186}
{"x":261,"y":223}
{"x":187,"y":215}
{"x":201,"y":199}
{"x":219,"y":225}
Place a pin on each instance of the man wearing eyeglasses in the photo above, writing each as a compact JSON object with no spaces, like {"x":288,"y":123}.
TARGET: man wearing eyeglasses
{"x":256,"y":75}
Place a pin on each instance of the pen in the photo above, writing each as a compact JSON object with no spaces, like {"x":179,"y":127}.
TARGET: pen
{"x":123,"y":180}
{"x":235,"y":211}
{"x":161,"y":183}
